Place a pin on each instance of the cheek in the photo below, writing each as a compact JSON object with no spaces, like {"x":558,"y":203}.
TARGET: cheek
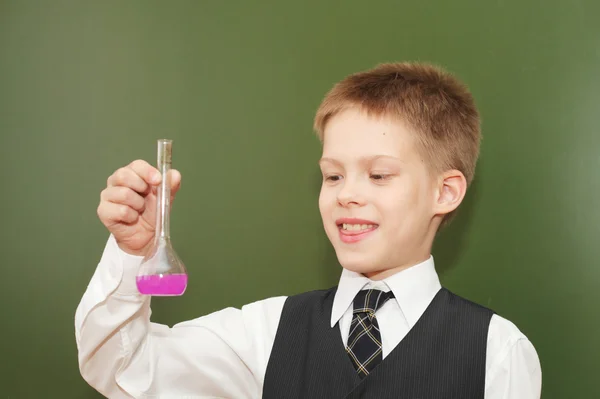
{"x":402,"y":208}
{"x":324,"y":201}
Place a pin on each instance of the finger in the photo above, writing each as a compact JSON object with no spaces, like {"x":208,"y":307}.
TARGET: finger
{"x":126,"y":177}
{"x":147,"y":172}
{"x":124,"y":196}
{"x":175,"y":181}
{"x":111,"y":213}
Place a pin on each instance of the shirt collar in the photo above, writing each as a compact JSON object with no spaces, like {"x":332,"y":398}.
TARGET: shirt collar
{"x":413,"y":289}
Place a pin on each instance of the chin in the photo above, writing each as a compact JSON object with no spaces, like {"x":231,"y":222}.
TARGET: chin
{"x":357,"y":263}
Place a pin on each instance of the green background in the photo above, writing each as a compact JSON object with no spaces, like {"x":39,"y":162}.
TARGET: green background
{"x":86,"y":87}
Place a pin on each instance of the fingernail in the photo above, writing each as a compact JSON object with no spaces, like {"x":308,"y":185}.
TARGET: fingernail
{"x":156,"y":177}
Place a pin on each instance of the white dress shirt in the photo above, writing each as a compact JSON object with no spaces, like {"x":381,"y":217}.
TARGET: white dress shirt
{"x":122,"y":354}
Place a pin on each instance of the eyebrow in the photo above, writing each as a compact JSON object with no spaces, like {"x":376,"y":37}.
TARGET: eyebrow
{"x":362,"y":159}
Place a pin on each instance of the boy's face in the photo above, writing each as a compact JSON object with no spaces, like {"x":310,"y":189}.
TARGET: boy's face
{"x":378,"y":202}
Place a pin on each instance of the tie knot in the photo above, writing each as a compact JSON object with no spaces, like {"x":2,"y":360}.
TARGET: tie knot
{"x":368,"y":301}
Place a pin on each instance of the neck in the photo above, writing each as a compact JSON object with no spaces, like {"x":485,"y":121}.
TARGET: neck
{"x":163,"y":199}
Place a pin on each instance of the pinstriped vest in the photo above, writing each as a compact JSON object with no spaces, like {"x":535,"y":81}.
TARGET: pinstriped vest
{"x":442,"y":357}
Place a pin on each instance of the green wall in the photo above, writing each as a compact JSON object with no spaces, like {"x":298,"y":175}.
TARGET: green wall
{"x":86,"y":87}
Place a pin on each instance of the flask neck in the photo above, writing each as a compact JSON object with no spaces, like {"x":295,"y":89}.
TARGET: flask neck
{"x":163,"y":193}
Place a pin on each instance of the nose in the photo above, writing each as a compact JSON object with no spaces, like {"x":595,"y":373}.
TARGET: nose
{"x":349,"y":194}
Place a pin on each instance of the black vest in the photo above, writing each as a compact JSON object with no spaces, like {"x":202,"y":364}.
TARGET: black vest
{"x":443,"y":356}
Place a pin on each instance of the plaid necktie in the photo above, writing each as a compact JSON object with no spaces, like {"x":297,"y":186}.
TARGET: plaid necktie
{"x":364,"y":340}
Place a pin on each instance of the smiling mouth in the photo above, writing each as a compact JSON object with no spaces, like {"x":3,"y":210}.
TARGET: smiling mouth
{"x":348,"y":228}
{"x":353,"y":233}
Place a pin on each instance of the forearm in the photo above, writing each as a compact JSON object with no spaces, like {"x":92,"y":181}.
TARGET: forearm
{"x":111,"y":322}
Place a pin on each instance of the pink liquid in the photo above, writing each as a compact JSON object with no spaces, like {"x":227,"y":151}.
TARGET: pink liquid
{"x":162,"y":285}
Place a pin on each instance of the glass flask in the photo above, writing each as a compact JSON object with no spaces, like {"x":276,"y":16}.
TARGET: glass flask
{"x":161,"y":272}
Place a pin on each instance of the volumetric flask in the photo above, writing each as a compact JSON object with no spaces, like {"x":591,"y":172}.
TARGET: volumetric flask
{"x":161,"y":272}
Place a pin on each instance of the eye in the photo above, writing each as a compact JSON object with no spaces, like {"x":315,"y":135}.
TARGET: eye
{"x":332,"y":178}
{"x":380,"y":177}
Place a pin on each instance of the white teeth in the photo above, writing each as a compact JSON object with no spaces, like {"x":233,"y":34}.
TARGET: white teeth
{"x":356,"y":227}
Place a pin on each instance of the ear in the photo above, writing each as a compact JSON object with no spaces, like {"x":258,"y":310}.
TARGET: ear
{"x":451,"y":189}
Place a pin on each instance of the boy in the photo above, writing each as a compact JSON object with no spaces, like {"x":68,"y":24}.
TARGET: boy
{"x":400,"y":144}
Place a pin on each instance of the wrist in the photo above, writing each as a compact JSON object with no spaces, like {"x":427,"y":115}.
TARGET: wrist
{"x":130,"y":263}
